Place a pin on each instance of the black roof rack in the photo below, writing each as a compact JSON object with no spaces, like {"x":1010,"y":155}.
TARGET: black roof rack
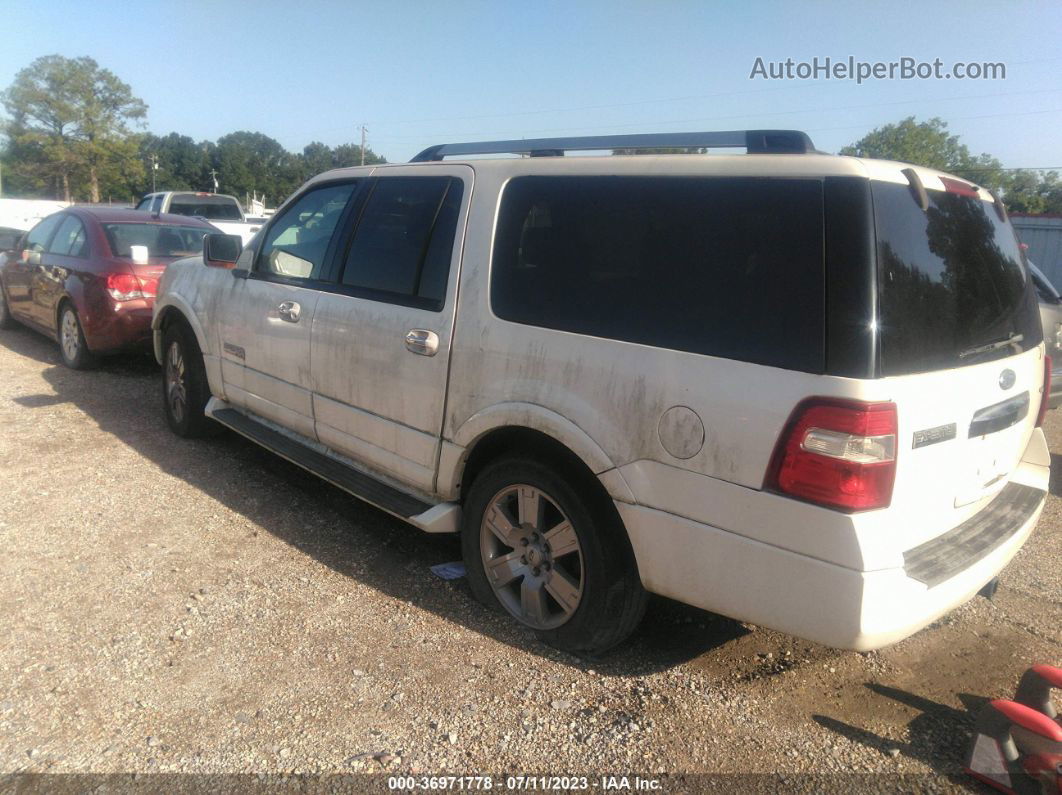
{"x":753,"y":141}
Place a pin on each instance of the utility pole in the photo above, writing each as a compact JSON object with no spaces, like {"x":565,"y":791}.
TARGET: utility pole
{"x":154,"y":168}
{"x":214,"y":176}
{"x":363,"y":131}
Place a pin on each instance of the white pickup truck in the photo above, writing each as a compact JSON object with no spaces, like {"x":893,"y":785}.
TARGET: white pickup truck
{"x":223,"y":212}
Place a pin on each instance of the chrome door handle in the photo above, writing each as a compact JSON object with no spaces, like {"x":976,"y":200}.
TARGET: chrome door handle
{"x":289,"y":311}
{"x":422,"y":341}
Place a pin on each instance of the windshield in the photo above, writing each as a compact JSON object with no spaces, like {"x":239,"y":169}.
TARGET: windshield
{"x":951,"y":280}
{"x":214,"y":208}
{"x":162,"y":240}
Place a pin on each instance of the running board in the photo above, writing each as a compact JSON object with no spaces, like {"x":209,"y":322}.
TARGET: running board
{"x":441,"y":518}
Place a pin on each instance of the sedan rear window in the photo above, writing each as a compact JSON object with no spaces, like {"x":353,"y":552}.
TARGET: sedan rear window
{"x":952,"y":286}
{"x":161,"y":240}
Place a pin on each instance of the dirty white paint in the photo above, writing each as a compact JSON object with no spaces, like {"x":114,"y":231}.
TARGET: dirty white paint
{"x":681,"y":432}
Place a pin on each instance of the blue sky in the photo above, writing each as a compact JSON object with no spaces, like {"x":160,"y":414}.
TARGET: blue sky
{"x":419,"y":73}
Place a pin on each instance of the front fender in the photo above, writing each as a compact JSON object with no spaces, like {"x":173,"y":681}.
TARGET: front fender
{"x":174,"y":302}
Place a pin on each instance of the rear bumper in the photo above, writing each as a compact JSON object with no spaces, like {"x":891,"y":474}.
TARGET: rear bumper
{"x":119,"y":327}
{"x":837,"y":606}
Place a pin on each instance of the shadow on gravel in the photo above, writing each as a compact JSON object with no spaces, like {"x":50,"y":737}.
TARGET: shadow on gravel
{"x":938,"y":736}
{"x":123,"y":397}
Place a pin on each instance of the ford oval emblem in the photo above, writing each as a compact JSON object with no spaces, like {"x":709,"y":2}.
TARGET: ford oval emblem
{"x":1007,"y":379}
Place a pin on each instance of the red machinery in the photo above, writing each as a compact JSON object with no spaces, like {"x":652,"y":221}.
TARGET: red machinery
{"x":1017,"y":745}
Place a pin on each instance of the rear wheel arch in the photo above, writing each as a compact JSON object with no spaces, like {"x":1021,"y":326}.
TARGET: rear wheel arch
{"x":610,"y":600}
{"x":515,"y":441}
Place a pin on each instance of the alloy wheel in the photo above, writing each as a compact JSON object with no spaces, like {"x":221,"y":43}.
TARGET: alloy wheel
{"x":531,"y":556}
{"x":69,"y":335}
{"x":176,"y":388}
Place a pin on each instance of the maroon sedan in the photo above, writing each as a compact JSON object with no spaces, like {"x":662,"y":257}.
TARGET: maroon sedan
{"x":87,"y":277}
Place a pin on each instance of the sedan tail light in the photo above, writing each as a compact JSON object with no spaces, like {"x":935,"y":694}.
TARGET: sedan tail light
{"x":131,"y":287}
{"x":837,"y":453}
{"x":124,"y":286}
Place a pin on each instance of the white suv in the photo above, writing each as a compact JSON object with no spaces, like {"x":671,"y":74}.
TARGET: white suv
{"x":796,"y":389}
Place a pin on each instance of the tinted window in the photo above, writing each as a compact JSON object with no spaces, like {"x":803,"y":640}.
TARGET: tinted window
{"x":1045,"y":291}
{"x":297,"y":241}
{"x":950,"y":280}
{"x":9,"y":238}
{"x":213,"y":208}
{"x":70,"y":239}
{"x":725,"y":267}
{"x":156,"y":204}
{"x":162,"y":240}
{"x":145,"y":203}
{"x":404,"y":239}
{"x":37,"y":239}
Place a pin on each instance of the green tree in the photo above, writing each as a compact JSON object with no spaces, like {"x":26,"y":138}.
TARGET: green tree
{"x":1034,"y":192}
{"x":316,"y":157}
{"x":346,"y":155}
{"x":74,"y":117}
{"x":929,"y":144}
{"x":249,"y":162}
{"x":183,"y":164}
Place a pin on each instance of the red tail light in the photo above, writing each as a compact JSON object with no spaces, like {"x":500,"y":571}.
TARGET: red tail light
{"x":838,"y":453}
{"x":1045,"y":396}
{"x":124,"y":286}
{"x":149,"y":286}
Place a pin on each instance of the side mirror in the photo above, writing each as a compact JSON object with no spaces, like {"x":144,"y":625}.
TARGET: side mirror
{"x":31,"y":257}
{"x":221,"y":251}
{"x":139,"y":254}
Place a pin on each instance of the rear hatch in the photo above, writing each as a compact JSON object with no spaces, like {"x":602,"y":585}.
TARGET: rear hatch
{"x":959,"y":348}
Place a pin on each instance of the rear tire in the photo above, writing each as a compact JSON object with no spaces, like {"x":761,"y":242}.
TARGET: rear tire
{"x":73,"y":349}
{"x":185,"y":390}
{"x":557,"y":562}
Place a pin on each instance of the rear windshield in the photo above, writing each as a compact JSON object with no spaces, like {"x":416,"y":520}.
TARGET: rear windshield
{"x":160,"y":239}
{"x":213,"y":208}
{"x":729,"y":267}
{"x":951,"y":282}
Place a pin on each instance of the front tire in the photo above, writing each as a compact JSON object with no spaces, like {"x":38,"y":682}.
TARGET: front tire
{"x":185,"y":391}
{"x":73,"y":349}
{"x":550,"y":558}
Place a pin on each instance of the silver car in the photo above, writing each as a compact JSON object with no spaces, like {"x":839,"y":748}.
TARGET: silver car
{"x":1051,"y":318}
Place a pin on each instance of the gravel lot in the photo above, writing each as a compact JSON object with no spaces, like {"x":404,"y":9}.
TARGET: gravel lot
{"x":205,"y":607}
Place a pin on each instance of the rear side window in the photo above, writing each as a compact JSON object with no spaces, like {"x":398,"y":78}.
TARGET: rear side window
{"x":404,"y":240}
{"x":38,"y":237}
{"x":145,"y":203}
{"x":950,"y":282}
{"x":729,"y":267}
{"x":70,"y":239}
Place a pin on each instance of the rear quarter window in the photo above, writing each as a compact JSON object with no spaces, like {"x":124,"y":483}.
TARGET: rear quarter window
{"x":729,"y":267}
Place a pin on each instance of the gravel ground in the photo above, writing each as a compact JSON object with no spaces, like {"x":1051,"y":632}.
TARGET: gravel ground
{"x":205,"y":607}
